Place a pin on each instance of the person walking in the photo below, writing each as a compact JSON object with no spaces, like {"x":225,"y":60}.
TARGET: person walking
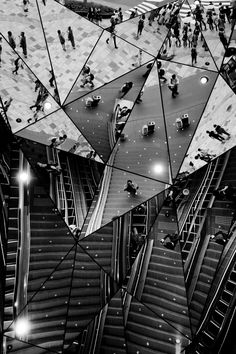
{"x":173,"y":85}
{"x":23,"y":44}
{"x":170,"y":240}
{"x":62,"y":40}
{"x":17,"y":64}
{"x":52,"y":78}
{"x":0,"y":52}
{"x":220,"y":130}
{"x":11,"y":40}
{"x":125,"y":88}
{"x":71,"y":37}
{"x":222,"y":37}
{"x":216,"y":136}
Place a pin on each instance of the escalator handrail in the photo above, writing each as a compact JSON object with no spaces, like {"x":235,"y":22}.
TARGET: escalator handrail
{"x":190,"y":260}
{"x":96,"y":218}
{"x":60,"y":179}
{"x":141,"y":277}
{"x":182,"y":224}
{"x":219,"y":284}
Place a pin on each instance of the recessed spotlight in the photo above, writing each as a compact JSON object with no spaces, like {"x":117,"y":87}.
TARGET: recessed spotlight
{"x":158,"y":168}
{"x":22,"y":327}
{"x":23,"y":177}
{"x":204,"y":80}
{"x":47,"y":105}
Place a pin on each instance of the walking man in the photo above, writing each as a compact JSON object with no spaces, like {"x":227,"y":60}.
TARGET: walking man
{"x":62,"y":40}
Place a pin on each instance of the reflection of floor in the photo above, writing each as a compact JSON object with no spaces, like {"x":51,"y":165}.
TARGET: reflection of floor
{"x":93,"y":122}
{"x":12,"y":18}
{"x":221,"y":109}
{"x":119,"y":201}
{"x":57,"y":124}
{"x":151,"y":40}
{"x":191,"y":100}
{"x":145,"y":155}
{"x":21,"y":88}
{"x":67,"y":64}
{"x":108,"y":63}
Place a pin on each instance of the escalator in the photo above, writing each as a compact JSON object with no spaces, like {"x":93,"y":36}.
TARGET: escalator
{"x":13,"y":236}
{"x":220,"y":307}
{"x":191,"y":227}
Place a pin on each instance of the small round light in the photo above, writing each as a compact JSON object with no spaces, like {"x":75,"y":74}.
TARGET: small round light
{"x":204,"y":80}
{"x":23,"y":177}
{"x":158,"y":168}
{"x":22,"y":327}
{"x":177,"y":341}
{"x":47,"y":105}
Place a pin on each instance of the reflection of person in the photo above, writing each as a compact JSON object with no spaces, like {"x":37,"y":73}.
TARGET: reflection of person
{"x":50,"y":167}
{"x":75,"y":230}
{"x":125,"y":88}
{"x":173,"y":85}
{"x":220,"y":237}
{"x":130,"y":187}
{"x":57,"y":141}
{"x":170,"y":240}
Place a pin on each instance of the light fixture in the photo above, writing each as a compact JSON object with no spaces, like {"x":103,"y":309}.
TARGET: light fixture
{"x":204,"y":80}
{"x":22,"y":327}
{"x":47,"y":105}
{"x":23,"y":177}
{"x":177,"y":341}
{"x":158,"y":168}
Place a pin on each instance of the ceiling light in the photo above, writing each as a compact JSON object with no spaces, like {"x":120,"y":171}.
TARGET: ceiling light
{"x":22,"y":327}
{"x":23,"y":177}
{"x":47,"y":105}
{"x":204,"y":80}
{"x":158,"y":168}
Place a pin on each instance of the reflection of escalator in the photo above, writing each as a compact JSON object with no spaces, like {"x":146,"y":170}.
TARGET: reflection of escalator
{"x":13,"y":234}
{"x":204,"y":281}
{"x":220,"y":308}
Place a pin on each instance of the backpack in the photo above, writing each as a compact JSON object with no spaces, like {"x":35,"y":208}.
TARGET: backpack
{"x":91,"y":76}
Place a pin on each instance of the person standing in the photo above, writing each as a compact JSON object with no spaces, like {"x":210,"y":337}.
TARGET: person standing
{"x":131,"y":187}
{"x":194,"y":55}
{"x":62,"y":40}
{"x":26,"y":6}
{"x":216,"y":136}
{"x":71,"y":37}
{"x":0,"y":52}
{"x":173,"y":85}
{"x":52,"y":78}
{"x":23,"y":44}
{"x":140,"y":26}
{"x":11,"y":40}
